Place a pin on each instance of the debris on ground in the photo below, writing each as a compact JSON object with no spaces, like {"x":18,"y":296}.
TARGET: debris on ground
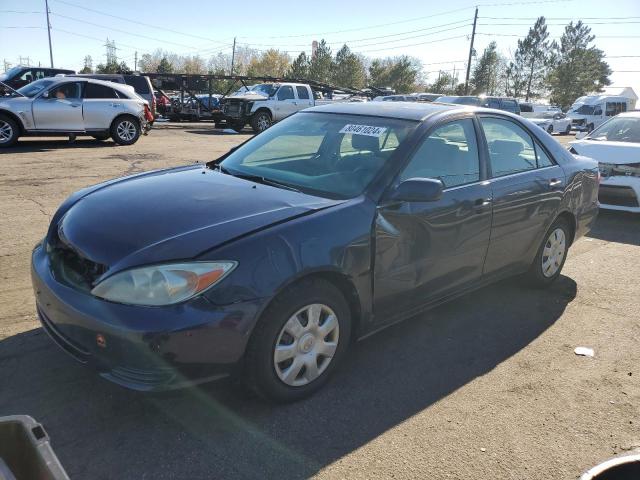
{"x":584,"y":351}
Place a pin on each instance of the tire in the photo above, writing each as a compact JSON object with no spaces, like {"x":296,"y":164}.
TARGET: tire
{"x":238,"y":127}
{"x":260,"y":121}
{"x":125,"y":130}
{"x":547,"y":265}
{"x":567,"y":131}
{"x":9,"y":131}
{"x":550,"y":130}
{"x":590,"y":128}
{"x":101,"y":137}
{"x":291,"y":379}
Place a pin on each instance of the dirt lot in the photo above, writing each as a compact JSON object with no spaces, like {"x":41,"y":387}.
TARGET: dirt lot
{"x":486,"y":387}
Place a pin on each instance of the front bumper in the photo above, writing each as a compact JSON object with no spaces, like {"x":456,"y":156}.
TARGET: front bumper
{"x":142,"y":348}
{"x":620,"y":193}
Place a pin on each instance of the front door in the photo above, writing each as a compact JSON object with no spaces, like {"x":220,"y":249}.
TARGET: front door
{"x":425,"y":250}
{"x":62,"y":110}
{"x":527,"y":190}
{"x":287,"y":103}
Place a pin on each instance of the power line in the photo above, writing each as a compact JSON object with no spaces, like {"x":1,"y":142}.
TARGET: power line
{"x":520,"y":36}
{"x":558,"y":18}
{"x":21,"y":11}
{"x":12,"y":26}
{"x":555,"y":24}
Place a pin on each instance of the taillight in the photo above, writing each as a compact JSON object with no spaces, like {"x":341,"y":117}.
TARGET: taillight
{"x":147,"y":113}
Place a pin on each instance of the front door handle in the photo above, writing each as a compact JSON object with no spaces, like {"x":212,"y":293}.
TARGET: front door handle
{"x":75,"y":105}
{"x":481,"y":203}
{"x":554,"y":182}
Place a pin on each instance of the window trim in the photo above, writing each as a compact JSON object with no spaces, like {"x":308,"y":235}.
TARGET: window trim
{"x":534,"y":140}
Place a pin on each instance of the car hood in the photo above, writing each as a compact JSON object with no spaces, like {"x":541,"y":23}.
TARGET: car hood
{"x":248,"y":96}
{"x":620,"y":153}
{"x":174,"y":215}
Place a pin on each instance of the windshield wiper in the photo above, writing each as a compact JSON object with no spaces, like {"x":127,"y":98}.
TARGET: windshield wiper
{"x":258,"y":179}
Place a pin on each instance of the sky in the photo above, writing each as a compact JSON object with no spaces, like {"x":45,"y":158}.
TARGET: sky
{"x":437,"y":33}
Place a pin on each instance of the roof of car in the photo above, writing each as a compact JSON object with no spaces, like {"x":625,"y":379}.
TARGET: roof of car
{"x":402,"y":110}
{"x":106,"y":83}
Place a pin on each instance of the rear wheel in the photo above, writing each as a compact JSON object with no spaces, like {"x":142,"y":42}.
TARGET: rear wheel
{"x":567,"y":131}
{"x":9,"y":131}
{"x":550,"y":129}
{"x":125,"y":130}
{"x":299,"y":340}
{"x":551,"y":255}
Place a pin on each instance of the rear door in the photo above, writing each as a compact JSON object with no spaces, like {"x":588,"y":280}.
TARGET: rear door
{"x":425,"y":250}
{"x":62,"y":110}
{"x":100,"y":105}
{"x":527,"y":189}
{"x":305,"y":97}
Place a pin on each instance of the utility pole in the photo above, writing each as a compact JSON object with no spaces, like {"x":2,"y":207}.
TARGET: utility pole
{"x":135,"y":62}
{"x":233,"y":55}
{"x":473,"y":36}
{"x":46,"y":5}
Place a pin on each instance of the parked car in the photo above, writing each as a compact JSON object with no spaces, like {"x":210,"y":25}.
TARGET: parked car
{"x":395,"y":98}
{"x":499,"y":103}
{"x":426,"y":97}
{"x":616,"y":146}
{"x":338,"y":221}
{"x":265,"y":104}
{"x":552,"y":122}
{"x":18,"y":77}
{"x":529,"y":110}
{"x":140,"y":83}
{"x":590,"y":111}
{"x":67,"y":105}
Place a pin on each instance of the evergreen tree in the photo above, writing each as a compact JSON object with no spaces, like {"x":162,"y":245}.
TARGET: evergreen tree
{"x":88,"y":65}
{"x":578,"y":68}
{"x":532,"y":58}
{"x":299,"y":67}
{"x":348,"y":69}
{"x":486,"y":74}
{"x":399,"y":73}
{"x":321,"y":63}
{"x":164,"y":66}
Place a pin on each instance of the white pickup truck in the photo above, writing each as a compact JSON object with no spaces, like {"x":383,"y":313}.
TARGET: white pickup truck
{"x":264,"y":104}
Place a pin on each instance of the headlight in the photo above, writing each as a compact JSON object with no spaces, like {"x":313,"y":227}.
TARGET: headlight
{"x":162,"y":284}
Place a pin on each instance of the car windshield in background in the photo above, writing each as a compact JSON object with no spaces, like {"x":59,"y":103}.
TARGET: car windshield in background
{"x":460,"y":100}
{"x":35,"y":88}
{"x":620,"y":129}
{"x":268,"y":89}
{"x":585,"y":109}
{"x":329,"y":155}
{"x":10,"y":73}
{"x":544,"y":114}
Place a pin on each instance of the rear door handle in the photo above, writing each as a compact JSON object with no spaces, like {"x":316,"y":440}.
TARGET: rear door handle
{"x":481,"y":203}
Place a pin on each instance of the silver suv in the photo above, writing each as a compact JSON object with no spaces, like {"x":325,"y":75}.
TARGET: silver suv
{"x":69,"y":106}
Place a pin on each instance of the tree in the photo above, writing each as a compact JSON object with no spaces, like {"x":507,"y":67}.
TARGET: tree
{"x":164,"y":66}
{"x":271,"y":63}
{"x":113,"y":67}
{"x":299,"y":68}
{"x":321,"y":63}
{"x":399,"y":73}
{"x":532,"y":59}
{"x":577,"y":68}
{"x":486,"y":73}
{"x":88,"y":65}
{"x":348,"y":69}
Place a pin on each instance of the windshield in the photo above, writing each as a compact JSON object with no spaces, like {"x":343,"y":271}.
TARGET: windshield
{"x":460,"y":100}
{"x":544,"y":114}
{"x":267,"y":89}
{"x":334,"y":156}
{"x":618,"y":129}
{"x":585,"y":109}
{"x":35,"y":88}
{"x":10,"y":73}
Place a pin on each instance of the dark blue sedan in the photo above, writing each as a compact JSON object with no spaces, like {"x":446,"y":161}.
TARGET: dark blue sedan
{"x":332,"y":224}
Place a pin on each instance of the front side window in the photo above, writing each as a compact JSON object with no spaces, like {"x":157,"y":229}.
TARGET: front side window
{"x":66,"y":91}
{"x":285,"y":93}
{"x":330,"y":155}
{"x":511,"y":148}
{"x":449,"y":154}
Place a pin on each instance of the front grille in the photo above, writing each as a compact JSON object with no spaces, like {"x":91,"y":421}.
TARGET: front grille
{"x":232,"y":108}
{"x":70,"y":268}
{"x":619,"y":196}
{"x":68,"y":345}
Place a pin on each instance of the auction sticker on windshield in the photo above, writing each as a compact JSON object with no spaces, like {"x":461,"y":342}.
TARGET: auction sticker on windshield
{"x":363,"y":130}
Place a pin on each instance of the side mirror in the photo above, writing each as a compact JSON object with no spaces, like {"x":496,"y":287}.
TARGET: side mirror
{"x":418,"y":190}
{"x":45,"y":95}
{"x":581,"y":135}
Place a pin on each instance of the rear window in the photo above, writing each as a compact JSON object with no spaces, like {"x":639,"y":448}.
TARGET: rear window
{"x":140,"y":84}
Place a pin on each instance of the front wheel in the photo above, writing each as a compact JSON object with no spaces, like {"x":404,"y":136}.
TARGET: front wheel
{"x":299,"y":340}
{"x":260,"y":122}
{"x":551,"y":255}
{"x":9,"y":132}
{"x":125,"y":130}
{"x":567,"y":131}
{"x":550,"y":129}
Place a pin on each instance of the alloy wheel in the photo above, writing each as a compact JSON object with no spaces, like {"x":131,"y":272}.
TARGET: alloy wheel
{"x":553,"y":253}
{"x":126,"y":130}
{"x":6,"y":131}
{"x":306,"y":345}
{"x":263,"y":122}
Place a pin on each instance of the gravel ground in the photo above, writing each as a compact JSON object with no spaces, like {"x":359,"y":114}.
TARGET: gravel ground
{"x":485,"y":387}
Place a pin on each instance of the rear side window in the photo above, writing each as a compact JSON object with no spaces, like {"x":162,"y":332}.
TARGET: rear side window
{"x":93,"y":90}
{"x":542,"y":157}
{"x":303,"y":93}
{"x":140,"y":84}
{"x":511,"y":148}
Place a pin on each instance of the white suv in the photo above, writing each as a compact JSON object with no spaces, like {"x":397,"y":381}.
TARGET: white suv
{"x":68,"y":106}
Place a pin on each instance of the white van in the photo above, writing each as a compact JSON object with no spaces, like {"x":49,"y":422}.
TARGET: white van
{"x":590,"y":111}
